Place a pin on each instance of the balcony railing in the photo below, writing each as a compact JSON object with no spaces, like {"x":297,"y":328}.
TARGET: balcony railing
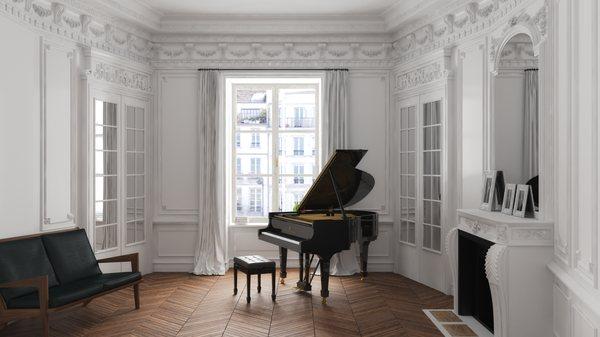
{"x":254,"y":117}
{"x":297,"y":122}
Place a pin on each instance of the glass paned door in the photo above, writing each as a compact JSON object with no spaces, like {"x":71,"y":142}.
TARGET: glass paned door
{"x":106,"y":163}
{"x":431,"y":173}
{"x":407,"y":174}
{"x":135,"y":174}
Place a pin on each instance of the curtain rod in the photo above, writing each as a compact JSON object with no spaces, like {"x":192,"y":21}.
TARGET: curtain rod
{"x":276,"y":69}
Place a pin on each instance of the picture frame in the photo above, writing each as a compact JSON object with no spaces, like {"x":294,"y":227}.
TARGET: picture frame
{"x":508,"y":201}
{"x":493,"y":191}
{"x":523,"y":204}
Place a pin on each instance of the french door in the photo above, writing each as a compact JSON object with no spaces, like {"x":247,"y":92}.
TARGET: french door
{"x":118,"y":176}
{"x":420,"y":188}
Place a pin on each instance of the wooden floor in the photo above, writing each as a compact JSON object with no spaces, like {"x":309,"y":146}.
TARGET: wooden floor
{"x":176,"y":304}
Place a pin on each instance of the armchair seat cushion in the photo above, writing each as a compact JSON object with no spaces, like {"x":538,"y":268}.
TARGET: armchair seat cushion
{"x":60,"y":295}
{"x":115,"y":280}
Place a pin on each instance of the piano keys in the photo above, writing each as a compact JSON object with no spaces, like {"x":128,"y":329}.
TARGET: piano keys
{"x":322,"y":226}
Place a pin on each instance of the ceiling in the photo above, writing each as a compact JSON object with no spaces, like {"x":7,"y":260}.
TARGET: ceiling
{"x":270,"y":7}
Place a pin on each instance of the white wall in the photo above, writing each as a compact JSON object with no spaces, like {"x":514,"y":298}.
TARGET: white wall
{"x":36,"y":133}
{"x":176,"y":180}
{"x":508,"y":125}
{"x":577,"y":227}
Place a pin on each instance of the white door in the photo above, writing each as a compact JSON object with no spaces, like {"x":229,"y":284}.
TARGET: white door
{"x":420,"y":190}
{"x":118,"y":184}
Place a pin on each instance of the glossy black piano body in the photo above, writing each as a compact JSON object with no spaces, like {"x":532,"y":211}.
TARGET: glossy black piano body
{"x":322,"y":226}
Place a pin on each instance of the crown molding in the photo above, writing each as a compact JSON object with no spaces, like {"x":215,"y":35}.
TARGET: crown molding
{"x":273,"y":24}
{"x":60,"y":20}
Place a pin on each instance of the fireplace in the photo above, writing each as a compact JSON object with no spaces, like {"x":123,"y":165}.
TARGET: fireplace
{"x":474,"y":296}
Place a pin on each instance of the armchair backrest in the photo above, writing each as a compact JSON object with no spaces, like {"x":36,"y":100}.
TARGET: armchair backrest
{"x":22,"y":259}
{"x":71,"y":255}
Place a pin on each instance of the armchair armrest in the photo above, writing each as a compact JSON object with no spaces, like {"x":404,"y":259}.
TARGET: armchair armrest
{"x":133,"y":258}
{"x":39,"y":282}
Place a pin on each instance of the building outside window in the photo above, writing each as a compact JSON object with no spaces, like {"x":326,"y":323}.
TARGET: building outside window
{"x":298,"y":146}
{"x":280,"y":159}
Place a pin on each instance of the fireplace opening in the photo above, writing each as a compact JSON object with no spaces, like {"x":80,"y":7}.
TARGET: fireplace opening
{"x":474,"y":296}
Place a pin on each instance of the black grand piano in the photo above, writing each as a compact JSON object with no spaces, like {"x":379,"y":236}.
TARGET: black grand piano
{"x":322,"y":226}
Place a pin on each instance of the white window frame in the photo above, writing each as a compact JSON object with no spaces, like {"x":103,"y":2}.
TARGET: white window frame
{"x":275,"y":131}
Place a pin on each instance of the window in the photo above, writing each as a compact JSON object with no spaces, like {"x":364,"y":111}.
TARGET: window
{"x":407,"y":195}
{"x":298,"y":174}
{"x":432,"y":197}
{"x":255,"y":200}
{"x":255,"y":140}
{"x":238,"y":165}
{"x":278,"y":172}
{"x":238,"y":202}
{"x":110,"y":175}
{"x":254,"y":165}
{"x":135,"y":173}
{"x":299,"y":117}
{"x":298,"y":146}
{"x":106,"y":176}
{"x":238,"y":140}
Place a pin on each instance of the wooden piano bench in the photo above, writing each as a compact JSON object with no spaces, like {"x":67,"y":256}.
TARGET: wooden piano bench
{"x":253,"y":265}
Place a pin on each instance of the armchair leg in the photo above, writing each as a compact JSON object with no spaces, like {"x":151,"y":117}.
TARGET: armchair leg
{"x":136,"y":295}
{"x":45,"y":325}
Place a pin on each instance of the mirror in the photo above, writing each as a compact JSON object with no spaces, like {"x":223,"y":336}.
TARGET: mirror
{"x":516,"y":115}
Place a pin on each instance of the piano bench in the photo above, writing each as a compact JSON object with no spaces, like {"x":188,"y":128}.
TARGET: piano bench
{"x":253,"y":265}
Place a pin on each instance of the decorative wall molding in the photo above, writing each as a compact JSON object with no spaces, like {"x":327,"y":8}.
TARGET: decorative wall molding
{"x":422,"y":75}
{"x":472,"y":20}
{"x":127,"y":78}
{"x":58,"y":19}
{"x":271,"y":54}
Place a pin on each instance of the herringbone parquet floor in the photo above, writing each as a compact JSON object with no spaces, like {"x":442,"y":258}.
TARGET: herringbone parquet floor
{"x":176,"y":304}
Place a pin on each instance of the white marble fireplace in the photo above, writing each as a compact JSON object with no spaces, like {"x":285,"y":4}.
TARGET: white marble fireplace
{"x":515,"y":267}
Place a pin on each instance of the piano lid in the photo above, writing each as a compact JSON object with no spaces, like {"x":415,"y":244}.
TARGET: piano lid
{"x":353,"y":184}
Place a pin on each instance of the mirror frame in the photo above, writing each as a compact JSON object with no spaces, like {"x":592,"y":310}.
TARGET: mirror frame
{"x":498,"y":39}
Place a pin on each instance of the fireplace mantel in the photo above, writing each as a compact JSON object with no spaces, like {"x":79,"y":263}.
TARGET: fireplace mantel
{"x":515,"y":266}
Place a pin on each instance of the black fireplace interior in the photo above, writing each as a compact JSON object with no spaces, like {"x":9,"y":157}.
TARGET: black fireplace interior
{"x":474,"y":296}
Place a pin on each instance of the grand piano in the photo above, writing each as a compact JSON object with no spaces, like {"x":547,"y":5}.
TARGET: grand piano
{"x":321,"y":225}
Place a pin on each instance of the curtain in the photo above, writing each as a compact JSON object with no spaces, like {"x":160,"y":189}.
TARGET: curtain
{"x":530,"y":126}
{"x":209,"y":258}
{"x":335,"y":123}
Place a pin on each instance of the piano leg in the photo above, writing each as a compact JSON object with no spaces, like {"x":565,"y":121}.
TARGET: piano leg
{"x":324,"y":279}
{"x":301,"y":264}
{"x":307,"y":286}
{"x":364,"y":256}
{"x":282,"y":264}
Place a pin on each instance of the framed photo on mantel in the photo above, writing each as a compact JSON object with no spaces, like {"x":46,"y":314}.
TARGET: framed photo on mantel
{"x":508,"y":201}
{"x":493,"y":191}
{"x":523,"y":205}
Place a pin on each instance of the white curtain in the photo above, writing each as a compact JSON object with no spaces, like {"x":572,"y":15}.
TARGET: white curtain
{"x":335,"y":106}
{"x":209,"y":258}
{"x":530,"y":126}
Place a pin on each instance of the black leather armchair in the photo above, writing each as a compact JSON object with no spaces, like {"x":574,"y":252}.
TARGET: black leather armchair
{"x":43,"y":273}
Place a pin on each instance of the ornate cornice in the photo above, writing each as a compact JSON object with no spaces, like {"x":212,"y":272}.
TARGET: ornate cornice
{"x":58,"y":19}
{"x":272,"y":54}
{"x":126,"y":78}
{"x":471,"y":20}
{"x":425,"y":74}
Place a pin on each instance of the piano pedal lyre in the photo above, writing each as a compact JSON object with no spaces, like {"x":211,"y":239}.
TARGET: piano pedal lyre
{"x":282,"y":280}
{"x":323,"y":300}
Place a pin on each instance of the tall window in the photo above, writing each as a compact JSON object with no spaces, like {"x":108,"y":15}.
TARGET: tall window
{"x":280,"y":120}
{"x":407,"y":174}
{"x":298,"y":174}
{"x":255,"y":140}
{"x":432,"y":195}
{"x":298,"y":146}
{"x":119,"y":135}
